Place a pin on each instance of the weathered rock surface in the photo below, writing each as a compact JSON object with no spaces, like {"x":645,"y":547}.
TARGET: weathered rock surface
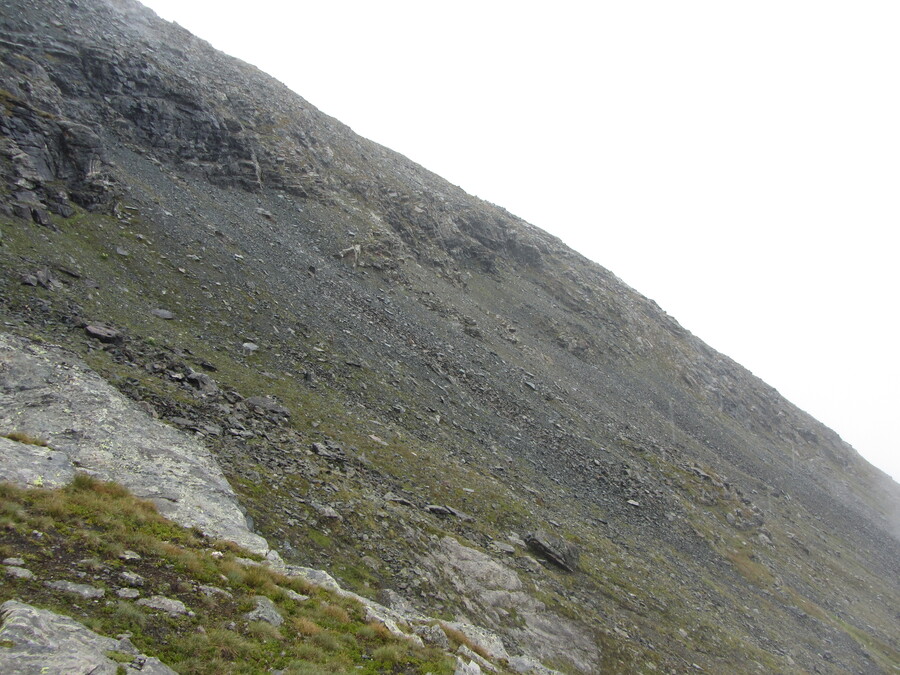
{"x":492,"y":589}
{"x":48,"y":393}
{"x":34,"y":465}
{"x":555,"y":549}
{"x":265,"y":611}
{"x":82,"y":590}
{"x":39,"y":641}
{"x":168,"y":605}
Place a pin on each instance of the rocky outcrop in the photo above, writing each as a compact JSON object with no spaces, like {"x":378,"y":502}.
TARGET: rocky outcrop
{"x":555,"y":549}
{"x":49,"y":394}
{"x":493,"y":590}
{"x":39,"y":641}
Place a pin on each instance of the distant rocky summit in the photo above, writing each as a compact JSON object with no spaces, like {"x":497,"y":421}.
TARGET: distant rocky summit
{"x":491,"y":450}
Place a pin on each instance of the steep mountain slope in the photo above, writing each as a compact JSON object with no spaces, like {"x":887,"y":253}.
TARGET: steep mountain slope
{"x":438,"y":366}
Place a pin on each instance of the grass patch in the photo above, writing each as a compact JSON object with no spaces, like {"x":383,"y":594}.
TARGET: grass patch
{"x":94,"y":520}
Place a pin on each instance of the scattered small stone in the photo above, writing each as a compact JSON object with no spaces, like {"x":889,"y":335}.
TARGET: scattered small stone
{"x":210,"y":591}
{"x":83,"y":590}
{"x":397,"y":499}
{"x":503,"y":547}
{"x":131,"y":578}
{"x":103,"y":333}
{"x":327,"y":512}
{"x":556,"y":550}
{"x":433,"y":635}
{"x":168,"y":605}
{"x":19,"y":572}
{"x":265,"y":611}
{"x":294,"y":595}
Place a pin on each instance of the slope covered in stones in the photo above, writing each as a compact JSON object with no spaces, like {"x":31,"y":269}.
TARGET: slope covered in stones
{"x":459,"y":373}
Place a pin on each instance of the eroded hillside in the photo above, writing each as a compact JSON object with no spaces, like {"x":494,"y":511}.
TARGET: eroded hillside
{"x":403,"y":383}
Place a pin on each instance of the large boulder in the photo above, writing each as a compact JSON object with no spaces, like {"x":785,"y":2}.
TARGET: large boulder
{"x":40,"y":641}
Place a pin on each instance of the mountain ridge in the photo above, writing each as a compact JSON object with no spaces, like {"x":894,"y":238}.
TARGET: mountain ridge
{"x":235,"y":198}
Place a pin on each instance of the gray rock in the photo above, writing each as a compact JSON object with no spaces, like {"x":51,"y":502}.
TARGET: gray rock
{"x":127,"y":555}
{"x":169,"y":605}
{"x":210,"y":591}
{"x":491,"y":590}
{"x":83,"y":590}
{"x":267,"y":405}
{"x":472,"y":657}
{"x":34,"y":465}
{"x":128,"y":593}
{"x":40,"y":641}
{"x":397,"y":499}
{"x":18,"y":572}
{"x":265,"y":611}
{"x":556,"y":550}
{"x":14,"y":561}
{"x":164,"y":314}
{"x":528,"y":665}
{"x":294,"y":595}
{"x":463,"y":668}
{"x":47,"y":392}
{"x":132,"y":579}
{"x":433,"y":635}
{"x":103,"y":333}
{"x":204,"y":383}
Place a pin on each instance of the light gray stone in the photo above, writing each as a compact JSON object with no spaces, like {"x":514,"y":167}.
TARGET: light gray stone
{"x":168,"y":605}
{"x":265,"y":611}
{"x":463,"y":668}
{"x":433,"y":635}
{"x":47,"y":392}
{"x":128,"y":593}
{"x":44,"y":642}
{"x":19,"y":572}
{"x":131,"y":578}
{"x":294,"y":595}
{"x":528,"y":665}
{"x":472,"y":657}
{"x":34,"y":465}
{"x":210,"y":591}
{"x":83,"y":590}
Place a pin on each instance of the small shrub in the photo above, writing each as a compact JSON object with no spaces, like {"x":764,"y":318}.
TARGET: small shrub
{"x":339,"y":614}
{"x":327,"y":641}
{"x":304,"y":626}
{"x":389,"y":654}
{"x":263,"y":630}
{"x":309,"y":652}
{"x":129,"y":615}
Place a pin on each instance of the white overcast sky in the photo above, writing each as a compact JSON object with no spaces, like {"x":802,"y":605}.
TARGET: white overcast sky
{"x":738,"y":162}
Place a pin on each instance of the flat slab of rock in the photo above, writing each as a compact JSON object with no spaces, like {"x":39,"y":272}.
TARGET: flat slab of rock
{"x":168,"y":605}
{"x":34,"y":465}
{"x":49,"y":393}
{"x":39,"y":641}
{"x":82,"y":590}
{"x":18,"y":572}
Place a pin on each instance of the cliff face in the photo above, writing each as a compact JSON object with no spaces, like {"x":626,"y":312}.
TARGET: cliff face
{"x":387,"y":360}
